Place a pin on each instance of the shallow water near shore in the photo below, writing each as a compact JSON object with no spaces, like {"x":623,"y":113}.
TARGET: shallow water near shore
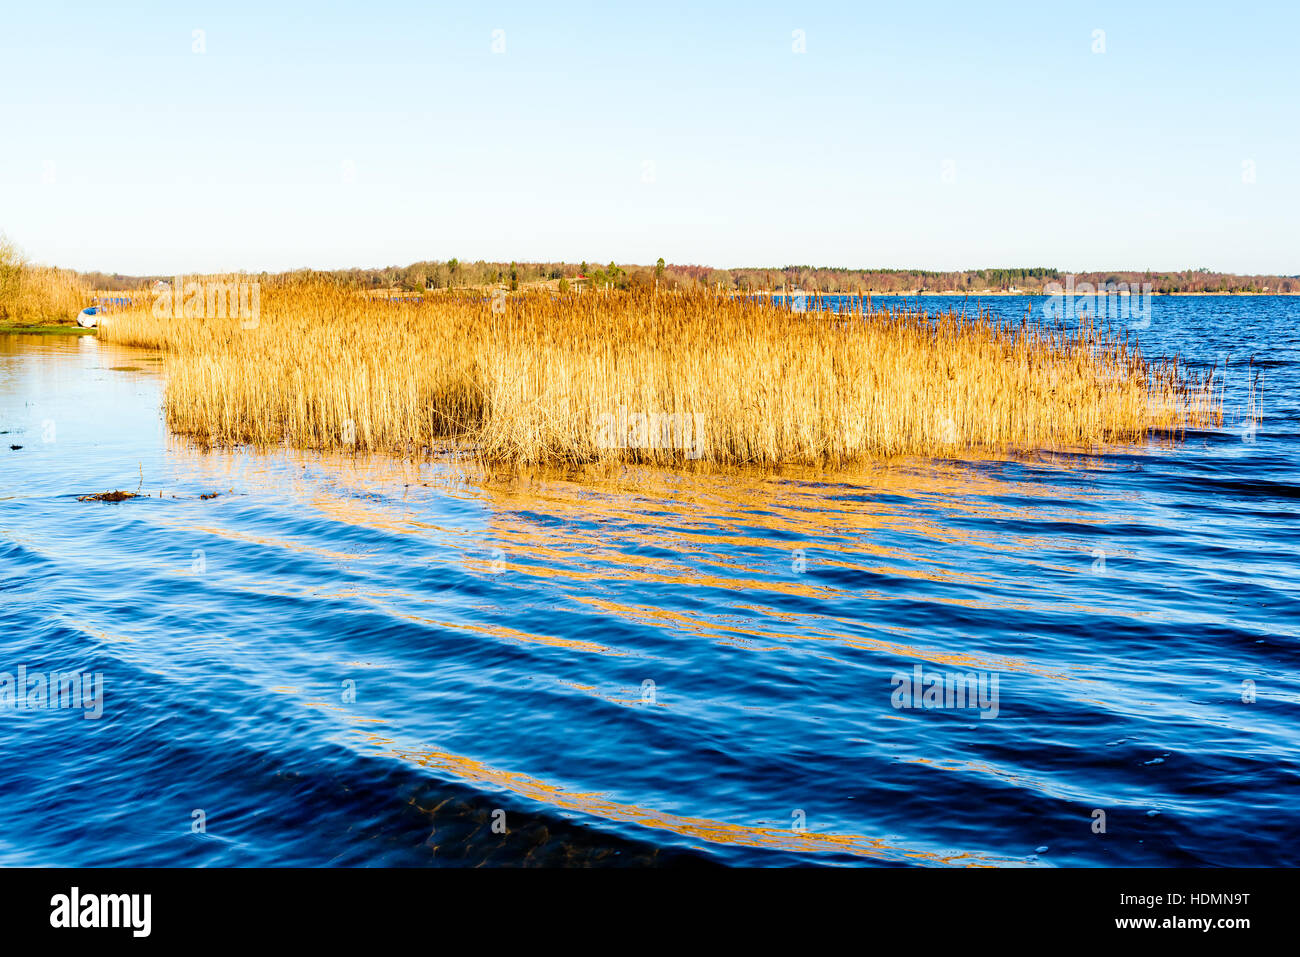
{"x":362,"y":661}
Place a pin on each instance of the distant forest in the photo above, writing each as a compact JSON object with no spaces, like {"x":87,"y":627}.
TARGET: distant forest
{"x":454,"y":274}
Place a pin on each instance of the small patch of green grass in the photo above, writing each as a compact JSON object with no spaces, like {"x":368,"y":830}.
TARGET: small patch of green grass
{"x":48,"y":330}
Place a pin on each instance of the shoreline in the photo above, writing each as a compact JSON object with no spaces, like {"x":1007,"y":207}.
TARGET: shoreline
{"x":45,"y":329}
{"x":1014,"y":295}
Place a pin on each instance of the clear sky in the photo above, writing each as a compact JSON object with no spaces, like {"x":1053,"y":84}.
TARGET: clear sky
{"x":940,"y":135}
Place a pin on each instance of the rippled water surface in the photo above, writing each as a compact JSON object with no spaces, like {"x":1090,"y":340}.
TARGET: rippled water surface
{"x":369,"y":662}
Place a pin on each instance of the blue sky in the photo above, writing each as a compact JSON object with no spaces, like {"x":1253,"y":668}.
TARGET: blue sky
{"x":940,"y":135}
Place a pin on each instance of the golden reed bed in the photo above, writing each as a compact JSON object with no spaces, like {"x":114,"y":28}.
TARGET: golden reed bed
{"x":668,"y":379}
{"x":31,"y":293}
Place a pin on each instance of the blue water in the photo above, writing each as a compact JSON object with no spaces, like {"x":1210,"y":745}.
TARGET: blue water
{"x":360,"y":661}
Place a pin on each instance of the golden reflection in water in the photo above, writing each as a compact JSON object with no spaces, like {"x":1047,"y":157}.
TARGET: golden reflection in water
{"x":591,"y":532}
{"x":277,"y":542}
{"x":711,"y":831}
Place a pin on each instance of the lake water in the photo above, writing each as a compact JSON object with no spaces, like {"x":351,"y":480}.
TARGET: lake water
{"x":368,"y":662}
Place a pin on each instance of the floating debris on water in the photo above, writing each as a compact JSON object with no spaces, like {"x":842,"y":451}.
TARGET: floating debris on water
{"x":108,"y":497}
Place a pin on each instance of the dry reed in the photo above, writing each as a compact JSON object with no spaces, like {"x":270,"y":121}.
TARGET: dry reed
{"x":33,"y":294}
{"x":630,"y":376}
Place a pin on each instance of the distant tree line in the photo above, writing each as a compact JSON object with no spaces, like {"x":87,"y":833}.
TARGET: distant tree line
{"x":454,"y":274}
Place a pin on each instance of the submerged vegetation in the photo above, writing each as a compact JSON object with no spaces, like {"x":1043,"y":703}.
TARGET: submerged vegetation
{"x":118,"y":496}
{"x":633,"y":376}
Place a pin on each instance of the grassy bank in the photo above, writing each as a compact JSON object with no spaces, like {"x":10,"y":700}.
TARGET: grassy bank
{"x":536,"y":379}
{"x":48,"y":329}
